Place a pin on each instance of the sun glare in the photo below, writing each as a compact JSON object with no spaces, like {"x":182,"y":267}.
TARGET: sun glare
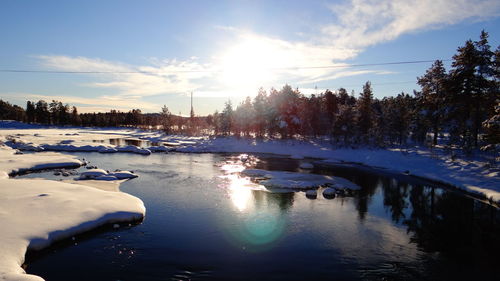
{"x":249,"y":63}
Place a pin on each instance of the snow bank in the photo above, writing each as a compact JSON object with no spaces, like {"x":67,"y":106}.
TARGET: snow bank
{"x":31,"y":211}
{"x":12,"y":163}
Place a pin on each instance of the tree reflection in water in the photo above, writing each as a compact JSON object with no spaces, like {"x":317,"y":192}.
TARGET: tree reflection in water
{"x":438,"y":220}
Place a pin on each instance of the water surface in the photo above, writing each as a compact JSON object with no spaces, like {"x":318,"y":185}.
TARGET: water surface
{"x":200,"y":225}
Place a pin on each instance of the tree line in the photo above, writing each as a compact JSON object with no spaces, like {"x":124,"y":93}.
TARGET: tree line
{"x":461,"y":104}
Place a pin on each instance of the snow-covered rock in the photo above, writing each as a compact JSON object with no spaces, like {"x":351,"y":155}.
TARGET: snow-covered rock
{"x":123,"y":175}
{"x":329,"y":193}
{"x":158,"y":148}
{"x":134,"y":149}
{"x":106,"y":178}
{"x":306,"y":166}
{"x":30,"y":147}
{"x":342,"y":183}
{"x":107,"y":149}
{"x":311,"y":194}
{"x":92,"y":174}
{"x":172,"y":144}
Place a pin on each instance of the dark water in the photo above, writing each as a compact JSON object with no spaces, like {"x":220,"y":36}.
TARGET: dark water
{"x":200,"y":226}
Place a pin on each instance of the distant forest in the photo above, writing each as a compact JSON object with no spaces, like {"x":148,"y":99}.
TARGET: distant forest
{"x":462,"y":104}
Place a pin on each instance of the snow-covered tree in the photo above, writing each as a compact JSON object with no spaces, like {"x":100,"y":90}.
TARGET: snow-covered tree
{"x":166,"y":119}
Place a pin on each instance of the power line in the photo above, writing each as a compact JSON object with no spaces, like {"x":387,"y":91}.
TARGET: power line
{"x":376,"y":84}
{"x":212,"y":70}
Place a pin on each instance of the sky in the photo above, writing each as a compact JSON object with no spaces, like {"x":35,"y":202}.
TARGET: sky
{"x":154,"y":53}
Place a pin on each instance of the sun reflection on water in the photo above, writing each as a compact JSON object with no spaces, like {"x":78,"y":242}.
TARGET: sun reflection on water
{"x":260,"y":226}
{"x":239,"y":188}
{"x":240,"y":194}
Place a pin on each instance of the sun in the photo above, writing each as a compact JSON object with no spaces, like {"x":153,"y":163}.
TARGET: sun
{"x":249,"y":63}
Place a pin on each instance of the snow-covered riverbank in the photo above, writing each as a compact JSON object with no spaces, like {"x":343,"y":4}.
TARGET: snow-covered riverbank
{"x":31,"y":208}
{"x":472,"y":175}
{"x":35,"y":213}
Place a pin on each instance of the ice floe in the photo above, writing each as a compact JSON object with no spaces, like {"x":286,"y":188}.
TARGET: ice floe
{"x":293,"y":180}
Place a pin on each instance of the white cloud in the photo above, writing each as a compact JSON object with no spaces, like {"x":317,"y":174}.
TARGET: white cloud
{"x":252,"y":60}
{"x":97,"y":104}
{"x":166,"y":76}
{"x":364,"y":23}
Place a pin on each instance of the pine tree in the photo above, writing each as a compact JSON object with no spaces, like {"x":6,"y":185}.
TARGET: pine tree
{"x":260,"y":106}
{"x":166,"y":119}
{"x":30,"y":111}
{"x":75,"y":117}
{"x":42,"y":114}
{"x":433,"y":99}
{"x":475,"y":91}
{"x":227,"y":118}
{"x":244,"y":117}
{"x":492,"y":132}
{"x":365,"y":111}
{"x":331,"y":109}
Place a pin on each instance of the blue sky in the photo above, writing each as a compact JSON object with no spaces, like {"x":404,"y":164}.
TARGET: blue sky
{"x":224,"y":50}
